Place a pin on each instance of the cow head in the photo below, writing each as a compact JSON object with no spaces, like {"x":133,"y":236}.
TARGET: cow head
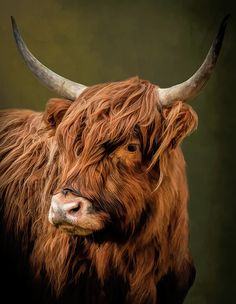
{"x":109,"y":144}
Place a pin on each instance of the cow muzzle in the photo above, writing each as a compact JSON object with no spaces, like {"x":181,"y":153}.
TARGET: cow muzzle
{"x":74,"y":215}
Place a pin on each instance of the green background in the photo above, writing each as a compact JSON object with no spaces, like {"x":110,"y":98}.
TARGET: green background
{"x":164,"y":42}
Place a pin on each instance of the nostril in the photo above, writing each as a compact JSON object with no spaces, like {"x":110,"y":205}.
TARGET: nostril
{"x":74,"y":210}
{"x":70,"y":208}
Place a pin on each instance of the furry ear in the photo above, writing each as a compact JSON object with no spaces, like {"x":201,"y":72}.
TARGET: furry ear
{"x":55,"y":110}
{"x":178,"y":121}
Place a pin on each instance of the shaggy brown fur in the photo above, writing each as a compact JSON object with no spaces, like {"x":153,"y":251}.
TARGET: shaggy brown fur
{"x":141,"y":196}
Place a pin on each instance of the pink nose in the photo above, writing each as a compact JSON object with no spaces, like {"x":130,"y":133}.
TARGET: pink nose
{"x":65,"y":210}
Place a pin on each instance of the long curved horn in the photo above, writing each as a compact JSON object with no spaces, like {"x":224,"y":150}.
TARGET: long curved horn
{"x":191,"y":87}
{"x":64,"y":87}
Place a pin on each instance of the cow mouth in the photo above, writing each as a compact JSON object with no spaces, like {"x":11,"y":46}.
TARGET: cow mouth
{"x":72,"y":228}
{"x":75,"y":230}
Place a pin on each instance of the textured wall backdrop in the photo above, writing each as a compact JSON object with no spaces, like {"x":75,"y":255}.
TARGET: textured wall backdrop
{"x":164,"y":42}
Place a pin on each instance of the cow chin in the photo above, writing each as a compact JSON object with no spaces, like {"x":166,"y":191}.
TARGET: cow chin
{"x":75,"y":230}
{"x":74,"y":215}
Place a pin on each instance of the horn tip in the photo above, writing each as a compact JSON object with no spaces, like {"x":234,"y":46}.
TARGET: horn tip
{"x":217,"y":44}
{"x":13,"y":21}
{"x":226,"y":17}
{"x":14,"y":26}
{"x":224,"y":24}
{"x":16,"y":32}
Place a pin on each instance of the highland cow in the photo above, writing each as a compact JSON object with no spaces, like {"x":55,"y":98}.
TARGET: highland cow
{"x":94,"y":189}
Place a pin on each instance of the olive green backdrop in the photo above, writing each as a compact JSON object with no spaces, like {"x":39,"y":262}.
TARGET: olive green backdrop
{"x":164,"y":42}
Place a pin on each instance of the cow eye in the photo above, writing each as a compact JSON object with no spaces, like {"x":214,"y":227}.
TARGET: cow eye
{"x":132,"y":147}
